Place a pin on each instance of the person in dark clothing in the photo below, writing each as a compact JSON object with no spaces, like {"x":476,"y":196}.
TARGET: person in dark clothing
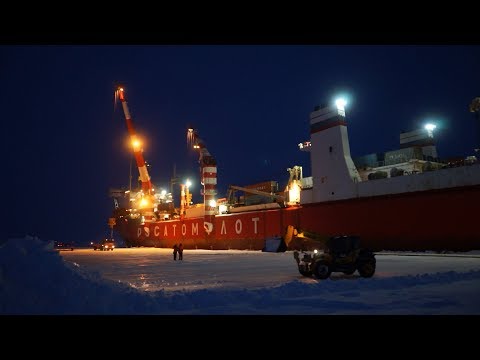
{"x":180,"y":251}
{"x":175,"y":251}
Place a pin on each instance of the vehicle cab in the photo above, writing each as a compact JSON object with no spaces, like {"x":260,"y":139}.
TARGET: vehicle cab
{"x":58,"y":245}
{"x":104,"y":245}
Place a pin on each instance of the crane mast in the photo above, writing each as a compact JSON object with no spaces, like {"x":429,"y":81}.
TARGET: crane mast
{"x":137,"y":149}
{"x":208,"y":176}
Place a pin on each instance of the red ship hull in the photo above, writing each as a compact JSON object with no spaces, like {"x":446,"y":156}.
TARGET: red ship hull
{"x":436,"y":220}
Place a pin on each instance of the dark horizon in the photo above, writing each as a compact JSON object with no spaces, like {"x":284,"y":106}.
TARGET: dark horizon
{"x":65,"y":146}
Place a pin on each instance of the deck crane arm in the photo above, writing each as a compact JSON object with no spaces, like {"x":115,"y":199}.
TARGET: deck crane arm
{"x":137,"y":149}
{"x":258,"y":192}
{"x":205,"y":158}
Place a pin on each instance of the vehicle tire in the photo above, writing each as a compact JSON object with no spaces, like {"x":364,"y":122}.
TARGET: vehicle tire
{"x":322,"y":270}
{"x":350,"y":272}
{"x":306,"y":273}
{"x":366,"y":268}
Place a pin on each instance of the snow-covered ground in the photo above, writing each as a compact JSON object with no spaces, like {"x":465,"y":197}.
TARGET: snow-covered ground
{"x":35,"y":279}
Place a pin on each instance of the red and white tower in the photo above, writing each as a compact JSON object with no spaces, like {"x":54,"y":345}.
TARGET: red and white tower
{"x":208,"y":176}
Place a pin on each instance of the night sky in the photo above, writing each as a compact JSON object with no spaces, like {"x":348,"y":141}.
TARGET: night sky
{"x":64,"y":146}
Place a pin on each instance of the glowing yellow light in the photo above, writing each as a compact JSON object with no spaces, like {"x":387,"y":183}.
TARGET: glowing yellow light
{"x":143,"y":202}
{"x":188,"y":183}
{"x":136,"y":143}
{"x":212,"y":203}
{"x":294,"y":193}
{"x":121,"y":89}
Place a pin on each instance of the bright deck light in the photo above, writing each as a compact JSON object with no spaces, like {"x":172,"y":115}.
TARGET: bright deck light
{"x":430,"y":127}
{"x":341,"y":102}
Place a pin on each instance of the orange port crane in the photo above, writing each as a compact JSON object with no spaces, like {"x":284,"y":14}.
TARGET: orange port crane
{"x":146,"y":203}
{"x":136,"y":145}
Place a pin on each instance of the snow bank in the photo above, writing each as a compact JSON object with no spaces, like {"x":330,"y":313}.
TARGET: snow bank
{"x":34,"y":279}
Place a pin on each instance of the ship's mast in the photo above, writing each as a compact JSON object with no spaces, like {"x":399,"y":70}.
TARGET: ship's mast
{"x":137,"y":149}
{"x":208,"y":176}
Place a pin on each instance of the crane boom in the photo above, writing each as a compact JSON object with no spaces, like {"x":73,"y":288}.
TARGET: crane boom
{"x":137,"y":149}
{"x":258,"y":192}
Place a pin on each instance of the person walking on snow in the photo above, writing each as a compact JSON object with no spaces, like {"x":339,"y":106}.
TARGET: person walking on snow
{"x":175,"y":251}
{"x":180,"y":251}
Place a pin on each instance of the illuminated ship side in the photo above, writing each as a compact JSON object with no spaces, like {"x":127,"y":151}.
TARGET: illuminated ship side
{"x":406,"y":201}
{"x":401,"y":200}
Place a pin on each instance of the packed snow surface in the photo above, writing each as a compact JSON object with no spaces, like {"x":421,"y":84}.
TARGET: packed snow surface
{"x":36,"y":279}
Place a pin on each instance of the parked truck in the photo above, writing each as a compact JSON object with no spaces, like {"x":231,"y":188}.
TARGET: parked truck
{"x":104,"y":245}
{"x":319,"y":255}
{"x":339,"y":254}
